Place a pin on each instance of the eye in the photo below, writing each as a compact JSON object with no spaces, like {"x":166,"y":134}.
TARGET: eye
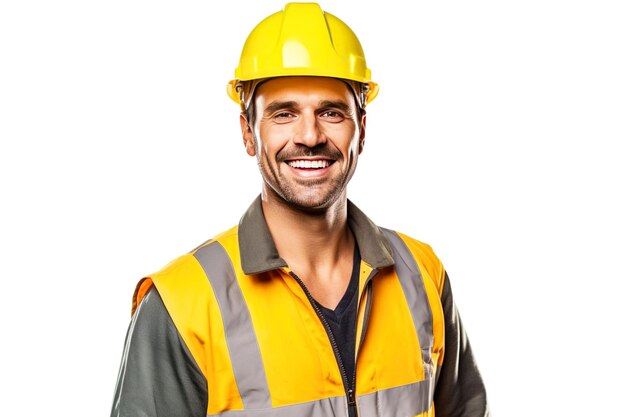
{"x":332,"y":115}
{"x":283,"y":116}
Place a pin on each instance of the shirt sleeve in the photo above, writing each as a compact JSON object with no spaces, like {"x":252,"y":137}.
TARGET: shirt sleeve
{"x":459,"y":391}
{"x":158,"y":375}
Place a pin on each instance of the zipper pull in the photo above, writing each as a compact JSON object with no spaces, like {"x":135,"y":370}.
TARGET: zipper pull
{"x":351,"y":398}
{"x":352,"y":410}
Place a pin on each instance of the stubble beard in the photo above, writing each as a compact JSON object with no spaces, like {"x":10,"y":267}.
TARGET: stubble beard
{"x":309,"y":195}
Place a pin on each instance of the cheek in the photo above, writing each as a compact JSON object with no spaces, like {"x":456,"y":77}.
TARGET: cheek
{"x":262,"y":146}
{"x":355,"y":144}
{"x":272,"y":143}
{"x":266,"y":150}
{"x":342,"y":137}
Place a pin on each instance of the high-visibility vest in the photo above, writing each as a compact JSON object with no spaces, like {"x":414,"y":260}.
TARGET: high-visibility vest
{"x":265,"y":350}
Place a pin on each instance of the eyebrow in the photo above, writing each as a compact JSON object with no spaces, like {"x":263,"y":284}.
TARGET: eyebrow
{"x":339,"y":105}
{"x":279,"y":105}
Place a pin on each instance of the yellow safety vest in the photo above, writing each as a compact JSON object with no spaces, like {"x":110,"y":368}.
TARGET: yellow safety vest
{"x":254,"y":332}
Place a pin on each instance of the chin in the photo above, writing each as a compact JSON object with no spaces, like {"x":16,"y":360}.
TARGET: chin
{"x":313,"y":202}
{"x":309,"y":197}
{"x":310,"y":207}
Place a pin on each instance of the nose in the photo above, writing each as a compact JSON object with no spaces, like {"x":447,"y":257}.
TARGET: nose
{"x":308,"y":132}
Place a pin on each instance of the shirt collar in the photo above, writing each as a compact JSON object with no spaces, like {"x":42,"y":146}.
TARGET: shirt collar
{"x":259,"y":253}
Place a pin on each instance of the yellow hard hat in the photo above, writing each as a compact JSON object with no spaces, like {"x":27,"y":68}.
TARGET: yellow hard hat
{"x":302,"y":39}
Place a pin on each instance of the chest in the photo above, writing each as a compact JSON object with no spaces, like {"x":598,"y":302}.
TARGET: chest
{"x":294,"y":343}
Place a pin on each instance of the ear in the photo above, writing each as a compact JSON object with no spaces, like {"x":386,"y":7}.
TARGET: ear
{"x":362,"y":134}
{"x":246,"y":133}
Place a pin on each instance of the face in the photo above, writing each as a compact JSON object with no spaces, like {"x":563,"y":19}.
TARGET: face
{"x":306,"y":137}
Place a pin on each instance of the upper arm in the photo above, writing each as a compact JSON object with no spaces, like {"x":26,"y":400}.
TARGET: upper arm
{"x":460,"y":391}
{"x":158,"y":375}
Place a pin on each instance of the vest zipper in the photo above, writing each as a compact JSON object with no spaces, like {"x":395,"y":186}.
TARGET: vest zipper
{"x":350,"y":395}
{"x":366,"y":288}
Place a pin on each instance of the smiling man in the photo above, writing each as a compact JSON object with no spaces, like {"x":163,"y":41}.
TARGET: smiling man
{"x":306,"y":308}
{"x":311,"y":134}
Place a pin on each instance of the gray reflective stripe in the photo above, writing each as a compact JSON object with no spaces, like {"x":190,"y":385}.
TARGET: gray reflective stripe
{"x":328,"y":407}
{"x":243,"y":346}
{"x":407,"y":400}
{"x":415,"y":293}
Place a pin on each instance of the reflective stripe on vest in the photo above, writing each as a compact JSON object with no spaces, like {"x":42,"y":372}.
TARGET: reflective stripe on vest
{"x":415,"y":293}
{"x":243,"y":346}
{"x":402,"y":401}
{"x":249,"y":369}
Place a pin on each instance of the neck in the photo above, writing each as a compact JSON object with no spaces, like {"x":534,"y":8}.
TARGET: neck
{"x":309,"y":240}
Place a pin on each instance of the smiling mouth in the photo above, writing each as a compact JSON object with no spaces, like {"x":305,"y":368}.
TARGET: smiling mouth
{"x":310,"y":164}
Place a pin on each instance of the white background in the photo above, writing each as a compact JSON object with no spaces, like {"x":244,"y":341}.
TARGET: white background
{"x":497,"y":138}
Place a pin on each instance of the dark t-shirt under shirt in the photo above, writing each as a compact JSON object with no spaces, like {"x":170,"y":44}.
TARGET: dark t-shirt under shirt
{"x":342,"y":320}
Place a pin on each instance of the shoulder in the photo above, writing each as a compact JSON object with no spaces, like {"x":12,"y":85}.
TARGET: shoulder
{"x":184,"y":276}
{"x":429,"y":264}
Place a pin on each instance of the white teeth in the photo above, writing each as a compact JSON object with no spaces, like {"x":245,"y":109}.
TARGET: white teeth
{"x":309,"y":164}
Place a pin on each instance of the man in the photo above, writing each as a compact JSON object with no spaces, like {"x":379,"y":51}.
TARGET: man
{"x":306,"y":308}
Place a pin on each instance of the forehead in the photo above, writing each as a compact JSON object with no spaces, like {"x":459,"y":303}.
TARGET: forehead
{"x":303,"y":90}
